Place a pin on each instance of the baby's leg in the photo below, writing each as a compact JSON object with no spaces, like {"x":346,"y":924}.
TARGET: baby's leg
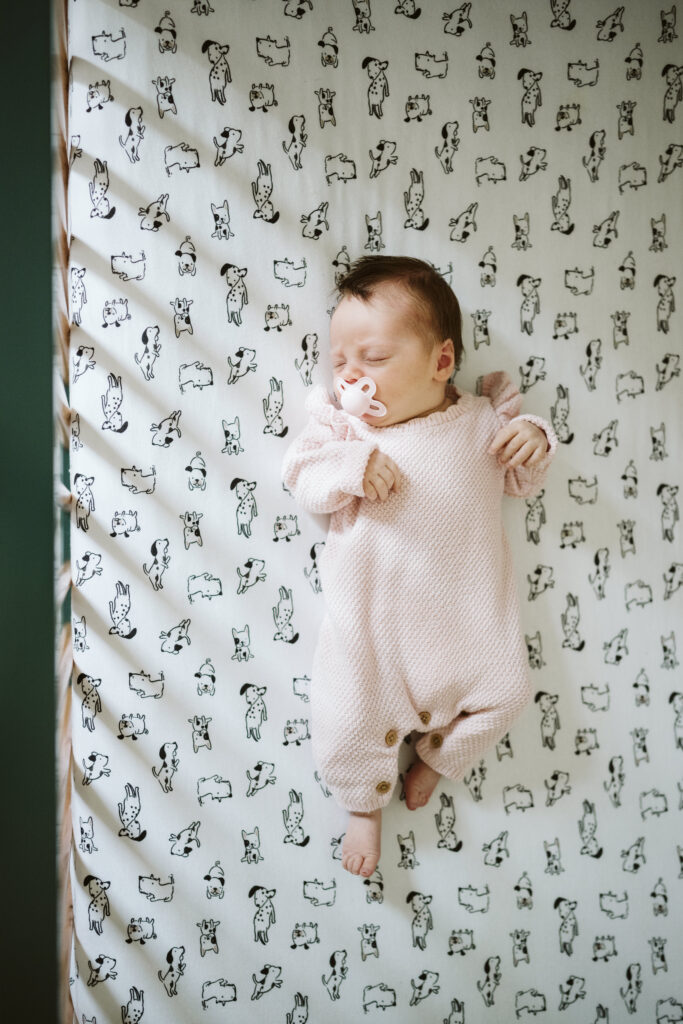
{"x":419,"y":784}
{"x":361,"y":847}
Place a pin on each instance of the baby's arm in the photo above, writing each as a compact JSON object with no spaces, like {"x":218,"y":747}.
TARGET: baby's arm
{"x":323,"y":472}
{"x":520,"y":443}
{"x":525,"y":444}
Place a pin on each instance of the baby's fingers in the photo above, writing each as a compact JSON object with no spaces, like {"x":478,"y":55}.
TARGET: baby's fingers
{"x":393,"y":477}
{"x":369,"y":490}
{"x":522,"y":455}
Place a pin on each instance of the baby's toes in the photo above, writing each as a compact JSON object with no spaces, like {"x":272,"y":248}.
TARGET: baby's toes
{"x":370,"y":861}
{"x":352,"y":862}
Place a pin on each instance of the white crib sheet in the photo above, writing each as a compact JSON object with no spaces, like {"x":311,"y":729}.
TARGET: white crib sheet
{"x":227,"y":160}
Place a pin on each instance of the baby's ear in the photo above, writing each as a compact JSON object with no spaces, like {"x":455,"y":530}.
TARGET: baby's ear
{"x":446,"y":355}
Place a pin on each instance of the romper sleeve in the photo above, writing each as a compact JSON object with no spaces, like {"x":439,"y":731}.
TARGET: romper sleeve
{"x":520,"y":481}
{"x":324,"y":466}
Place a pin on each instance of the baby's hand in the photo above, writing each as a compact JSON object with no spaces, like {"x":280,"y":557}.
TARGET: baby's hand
{"x":519,"y":443}
{"x":382,"y":475}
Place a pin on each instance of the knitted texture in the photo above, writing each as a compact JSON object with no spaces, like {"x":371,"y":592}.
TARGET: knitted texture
{"x":421,"y":630}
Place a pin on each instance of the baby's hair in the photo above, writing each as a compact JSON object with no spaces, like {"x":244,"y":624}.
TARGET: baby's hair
{"x":435,"y":307}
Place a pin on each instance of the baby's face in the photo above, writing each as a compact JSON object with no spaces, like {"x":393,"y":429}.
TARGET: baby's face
{"x":376,"y":339}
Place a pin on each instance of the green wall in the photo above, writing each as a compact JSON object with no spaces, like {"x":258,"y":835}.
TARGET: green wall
{"x":28,"y":894}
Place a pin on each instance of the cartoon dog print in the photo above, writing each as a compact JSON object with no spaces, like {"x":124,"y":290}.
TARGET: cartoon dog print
{"x":413,"y":200}
{"x":521,"y":226}
{"x":101,"y":970}
{"x":480,"y":116}
{"x":445,"y":825}
{"x":316,"y":220}
{"x":262,"y":190}
{"x":175,"y":970}
{"x":374,"y":228}
{"x":474,"y":780}
{"x":246,"y":505}
{"x":151,"y":351}
{"x":221,"y":221}
{"x":633,"y":988}
{"x":229,"y":145}
{"x":569,"y":927}
{"x":309,"y":359}
{"x":561,"y":15}
{"x":491,"y":980}
{"x":665,"y":301}
{"x":118,"y":612}
{"x":463,"y":225}
{"x":531,"y":302}
{"x":272,"y":407}
{"x":219,"y":75}
{"x":361,"y":10}
{"x":378,"y":89}
{"x":550,"y":719}
{"x":625,"y":122}
{"x":422,"y":919}
{"x":241,"y":641}
{"x":98,"y":908}
{"x":368,"y":942}
{"x":560,"y":204}
{"x":607,"y":27}
{"x":325,"y":107}
{"x":337,"y":974}
{"x":668,"y":25}
{"x":165,"y":101}
{"x":588,"y":825}
{"x":168,"y":753}
{"x":98,"y":94}
{"x":449,"y":146}
{"x":407,"y":847}
{"x":567,"y":117}
{"x":423,"y":986}
{"x":77,"y":293}
{"x":520,"y":30}
{"x":161,"y":560}
{"x":268,"y":979}
{"x":256,"y":711}
{"x":531,"y":98}
{"x":658,"y":228}
{"x":136,"y":131}
{"x":293,"y":816}
{"x":596,"y":155}
{"x":129,"y":811}
{"x":297,"y":141}
{"x":282,"y":616}
{"x":262,"y":777}
{"x":606,"y":232}
{"x":253,"y":574}
{"x":252,"y":847}
{"x":329,"y":50}
{"x":98,"y":187}
{"x":265,"y":911}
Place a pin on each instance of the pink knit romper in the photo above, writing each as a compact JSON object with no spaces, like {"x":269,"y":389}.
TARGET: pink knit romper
{"x":421,"y":630}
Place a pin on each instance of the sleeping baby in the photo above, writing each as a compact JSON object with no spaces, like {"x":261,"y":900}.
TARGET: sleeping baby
{"x":421,"y":632}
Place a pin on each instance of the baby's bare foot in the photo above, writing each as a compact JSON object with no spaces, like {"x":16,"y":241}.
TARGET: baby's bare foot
{"x":361,"y":847}
{"x":419,"y":784}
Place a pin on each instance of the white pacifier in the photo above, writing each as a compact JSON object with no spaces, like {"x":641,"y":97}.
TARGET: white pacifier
{"x":357,"y":398}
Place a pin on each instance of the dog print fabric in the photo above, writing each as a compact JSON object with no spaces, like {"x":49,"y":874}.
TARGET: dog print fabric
{"x":228,"y":159}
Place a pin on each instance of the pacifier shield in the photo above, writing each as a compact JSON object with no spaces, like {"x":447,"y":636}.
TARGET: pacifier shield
{"x":357,"y":398}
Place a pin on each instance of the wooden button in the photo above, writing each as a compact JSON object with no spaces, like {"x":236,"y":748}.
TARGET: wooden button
{"x":391,"y":738}
{"x":425,"y":717}
{"x":383,"y":787}
{"x":436,"y":740}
